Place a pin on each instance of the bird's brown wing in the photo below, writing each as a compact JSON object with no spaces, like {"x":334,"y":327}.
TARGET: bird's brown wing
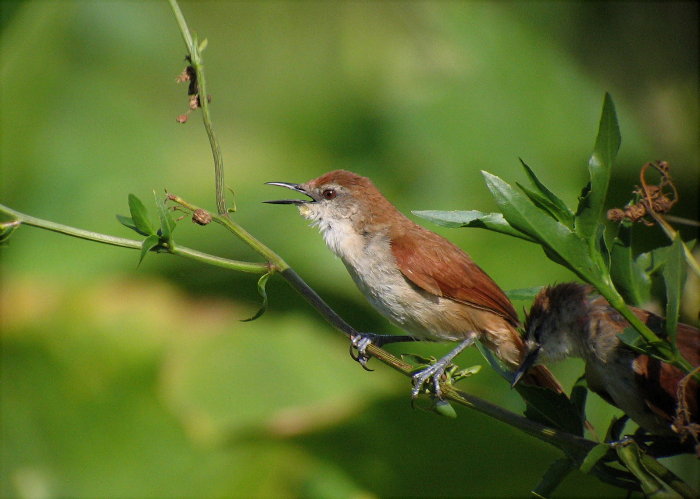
{"x":439,"y":267}
{"x":661,"y":380}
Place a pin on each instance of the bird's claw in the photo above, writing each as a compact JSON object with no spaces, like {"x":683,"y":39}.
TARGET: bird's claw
{"x":432,"y":373}
{"x":358,"y":348}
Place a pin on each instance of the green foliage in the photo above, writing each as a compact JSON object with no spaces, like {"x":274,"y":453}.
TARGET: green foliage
{"x":577,"y":241}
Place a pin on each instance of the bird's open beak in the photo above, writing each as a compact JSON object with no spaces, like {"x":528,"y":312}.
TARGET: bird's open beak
{"x":525,"y":365}
{"x":294,"y":187}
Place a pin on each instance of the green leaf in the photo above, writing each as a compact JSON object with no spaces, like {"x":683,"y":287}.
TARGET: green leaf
{"x":579,"y":395}
{"x":564,"y":245}
{"x":523,"y":293}
{"x":559,"y":209}
{"x":262,"y":282}
{"x":555,"y":474}
{"x":129,"y":222}
{"x":594,"y":455}
{"x":148,"y":244}
{"x":628,"y":273}
{"x":139,"y":217}
{"x":552,"y":409}
{"x":444,"y":408}
{"x":540,"y":201}
{"x":674,"y":278}
{"x":6,"y":230}
{"x":591,"y":203}
{"x":167,"y":224}
{"x":472,"y":218}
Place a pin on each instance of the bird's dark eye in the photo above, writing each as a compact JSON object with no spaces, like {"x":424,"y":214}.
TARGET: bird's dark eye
{"x":329,"y":194}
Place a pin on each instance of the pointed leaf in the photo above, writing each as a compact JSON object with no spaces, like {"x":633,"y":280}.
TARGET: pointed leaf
{"x":472,"y":218}
{"x":628,"y":273}
{"x":565,"y":244}
{"x":262,"y":282}
{"x":674,"y":279}
{"x":129,"y":223}
{"x":139,"y":216}
{"x":550,"y":408}
{"x":591,"y":203}
{"x":167,"y":224}
{"x":579,"y":394}
{"x":561,"y":211}
{"x":148,"y":244}
{"x":555,"y":474}
{"x":540,"y":201}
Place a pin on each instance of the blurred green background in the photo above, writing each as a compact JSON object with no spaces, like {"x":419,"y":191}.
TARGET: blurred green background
{"x":126,"y":381}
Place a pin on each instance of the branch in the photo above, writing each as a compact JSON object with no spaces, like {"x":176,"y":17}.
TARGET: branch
{"x":194,"y":51}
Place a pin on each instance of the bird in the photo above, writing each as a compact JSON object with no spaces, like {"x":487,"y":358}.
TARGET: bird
{"x":420,"y":281}
{"x":572,"y":320}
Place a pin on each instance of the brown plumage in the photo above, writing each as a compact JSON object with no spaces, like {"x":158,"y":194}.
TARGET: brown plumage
{"x":422,"y":282}
{"x":571,"y":320}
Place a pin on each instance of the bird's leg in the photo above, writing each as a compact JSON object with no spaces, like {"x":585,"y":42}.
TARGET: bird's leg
{"x":436,"y":370}
{"x":360,"y":341}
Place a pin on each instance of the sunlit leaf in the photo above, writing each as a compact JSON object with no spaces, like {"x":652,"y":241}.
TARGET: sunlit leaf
{"x":523,"y":215}
{"x":139,"y":217}
{"x":148,"y":244}
{"x":262,"y":282}
{"x":472,"y":218}
{"x":591,"y":203}
{"x":558,"y":208}
{"x":167,"y":224}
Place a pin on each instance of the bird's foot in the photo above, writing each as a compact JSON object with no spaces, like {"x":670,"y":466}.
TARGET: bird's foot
{"x":430,"y":375}
{"x":440,"y":369}
{"x":360,"y":341}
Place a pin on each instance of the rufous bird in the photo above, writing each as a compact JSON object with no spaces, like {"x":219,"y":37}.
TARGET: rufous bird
{"x":419,"y":280}
{"x":571,"y":320}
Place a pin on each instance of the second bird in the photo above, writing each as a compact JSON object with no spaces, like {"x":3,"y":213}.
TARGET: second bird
{"x":419,"y":280}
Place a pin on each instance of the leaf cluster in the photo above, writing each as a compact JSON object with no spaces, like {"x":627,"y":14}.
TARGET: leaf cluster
{"x":577,"y":239}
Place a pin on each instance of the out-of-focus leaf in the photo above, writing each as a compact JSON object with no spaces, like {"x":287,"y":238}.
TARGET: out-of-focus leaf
{"x":674,"y":278}
{"x":472,"y":218}
{"x":555,"y":474}
{"x":6,"y":230}
{"x":594,"y":455}
{"x":559,"y":209}
{"x":139,"y":217}
{"x":262,"y":282}
{"x":148,"y":244}
{"x":523,"y":293}
{"x":628,"y":273}
{"x":591,"y":203}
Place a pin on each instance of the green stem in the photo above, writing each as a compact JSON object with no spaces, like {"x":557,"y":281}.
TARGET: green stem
{"x":250,"y":267}
{"x":197,"y":63}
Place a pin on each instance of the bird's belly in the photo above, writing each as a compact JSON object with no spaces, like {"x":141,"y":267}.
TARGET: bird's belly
{"x":414,"y":310}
